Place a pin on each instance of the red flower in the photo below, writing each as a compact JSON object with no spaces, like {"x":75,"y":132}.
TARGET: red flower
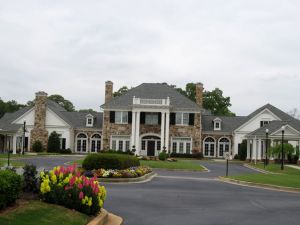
{"x":81,"y":195}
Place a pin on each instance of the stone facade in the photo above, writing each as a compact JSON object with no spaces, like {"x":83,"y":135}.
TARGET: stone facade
{"x":108,"y":91}
{"x":217,"y":136}
{"x":199,"y":94}
{"x":112,"y":129}
{"x":39,"y":132}
{"x":189,"y":131}
{"x":145,"y":129}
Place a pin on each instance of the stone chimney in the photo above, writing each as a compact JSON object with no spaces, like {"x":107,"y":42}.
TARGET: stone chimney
{"x":108,"y":91}
{"x":199,"y":94}
{"x":39,"y":132}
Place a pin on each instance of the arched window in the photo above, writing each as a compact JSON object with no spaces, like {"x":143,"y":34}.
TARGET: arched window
{"x":223,"y":146}
{"x":96,"y":143}
{"x":209,"y":147}
{"x":81,"y":142}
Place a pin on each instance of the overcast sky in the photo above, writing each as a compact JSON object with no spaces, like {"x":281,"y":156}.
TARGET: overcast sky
{"x":249,"y":49}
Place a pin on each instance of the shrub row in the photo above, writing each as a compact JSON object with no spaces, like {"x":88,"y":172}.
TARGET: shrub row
{"x":10,"y":187}
{"x":196,"y":155}
{"x":109,"y":161}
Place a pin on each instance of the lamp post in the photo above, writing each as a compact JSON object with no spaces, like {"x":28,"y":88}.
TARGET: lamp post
{"x":266,"y":153}
{"x":282,"y":139}
{"x":23,"y":144}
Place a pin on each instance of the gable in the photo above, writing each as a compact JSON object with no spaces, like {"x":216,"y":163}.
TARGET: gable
{"x":288,"y":132}
{"x":254,"y":122}
{"x":27,"y":116}
{"x":52,"y":119}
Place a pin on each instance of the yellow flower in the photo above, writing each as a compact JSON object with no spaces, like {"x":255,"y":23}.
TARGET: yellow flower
{"x":61,"y":175}
{"x":42,"y":174}
{"x":53,"y":179}
{"x":66,"y":180}
{"x":90,"y":202}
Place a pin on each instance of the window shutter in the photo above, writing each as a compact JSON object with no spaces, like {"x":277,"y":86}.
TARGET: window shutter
{"x":159,"y":118}
{"x":191,"y":119}
{"x":172,"y":118}
{"x":112,"y":117}
{"x":142,"y":118}
{"x":63,"y":143}
{"x":129,"y":117}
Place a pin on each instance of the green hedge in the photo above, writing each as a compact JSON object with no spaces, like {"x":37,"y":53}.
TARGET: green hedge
{"x":109,"y":161}
{"x":10,"y":187}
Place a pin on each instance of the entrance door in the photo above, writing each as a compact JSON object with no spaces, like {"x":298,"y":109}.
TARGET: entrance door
{"x":151,"y":148}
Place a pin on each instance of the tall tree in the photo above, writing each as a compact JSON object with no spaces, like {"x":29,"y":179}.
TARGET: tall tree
{"x":121,"y":91}
{"x":217,"y":103}
{"x":68,"y":105}
{"x":9,"y":106}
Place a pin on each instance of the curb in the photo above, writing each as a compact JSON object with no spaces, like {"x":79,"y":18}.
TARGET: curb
{"x":257,"y":169}
{"x":258,"y":185}
{"x":106,"y":218}
{"x":147,"y":177}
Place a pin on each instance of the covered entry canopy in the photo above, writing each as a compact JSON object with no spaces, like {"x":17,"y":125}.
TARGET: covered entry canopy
{"x":256,"y":141}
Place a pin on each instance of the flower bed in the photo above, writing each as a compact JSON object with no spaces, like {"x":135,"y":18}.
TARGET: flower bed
{"x":131,"y":172}
{"x":66,"y":186}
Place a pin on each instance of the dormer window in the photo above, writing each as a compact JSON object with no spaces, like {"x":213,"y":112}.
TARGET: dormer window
{"x":217,"y":124}
{"x":89,"y":120}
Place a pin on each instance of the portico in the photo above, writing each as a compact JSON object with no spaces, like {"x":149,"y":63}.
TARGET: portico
{"x":154,"y":112}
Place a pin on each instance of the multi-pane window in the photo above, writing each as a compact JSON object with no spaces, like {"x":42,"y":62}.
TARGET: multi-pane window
{"x":143,"y":145}
{"x":120,"y":142}
{"x":151,"y":118}
{"x":182,"y":118}
{"x":209,"y":147}
{"x":158,"y":145}
{"x":182,"y":145}
{"x":121,"y":117}
{"x":263,"y":123}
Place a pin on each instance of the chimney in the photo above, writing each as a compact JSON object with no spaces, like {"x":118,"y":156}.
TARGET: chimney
{"x":108,"y":91}
{"x":40,"y":110}
{"x":199,"y":94}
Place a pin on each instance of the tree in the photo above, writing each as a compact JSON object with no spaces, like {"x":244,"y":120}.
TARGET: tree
{"x":121,"y":91}
{"x":294,"y":113}
{"x":53,"y":142}
{"x":87,"y":110}
{"x":217,"y":103}
{"x":190,"y":89}
{"x":68,"y":105}
{"x":9,"y":106}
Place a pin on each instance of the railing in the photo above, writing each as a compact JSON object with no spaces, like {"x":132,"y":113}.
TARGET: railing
{"x":153,"y":102}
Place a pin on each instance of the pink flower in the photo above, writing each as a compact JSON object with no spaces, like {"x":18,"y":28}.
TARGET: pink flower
{"x":72,"y":181}
{"x":81,"y":195}
{"x":80,"y":186}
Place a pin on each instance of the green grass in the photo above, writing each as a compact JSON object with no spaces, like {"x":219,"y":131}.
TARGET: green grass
{"x":3,"y":162}
{"x":180,"y":164}
{"x":289,"y":177}
{"x":284,"y":180}
{"x":35,"y":212}
{"x":276,"y":168}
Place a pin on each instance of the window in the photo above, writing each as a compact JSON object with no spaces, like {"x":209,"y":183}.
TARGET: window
{"x":264,"y":122}
{"x":217,"y":124}
{"x":121,"y":117}
{"x":151,"y":118}
{"x":120,"y":142}
{"x":89,"y":120}
{"x":182,"y":145}
{"x":209,"y":147}
{"x":182,"y":118}
{"x":143,"y":145}
{"x":158,"y":145}
{"x":223,"y":146}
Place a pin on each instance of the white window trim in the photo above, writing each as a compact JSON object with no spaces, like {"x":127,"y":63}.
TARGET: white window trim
{"x":214,"y":143}
{"x":123,"y":138}
{"x":224,"y":143}
{"x":122,"y":112}
{"x":217,"y":121}
{"x":183,"y":140}
{"x":181,"y":119}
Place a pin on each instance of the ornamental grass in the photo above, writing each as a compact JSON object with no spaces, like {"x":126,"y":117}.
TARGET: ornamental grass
{"x":68,"y":187}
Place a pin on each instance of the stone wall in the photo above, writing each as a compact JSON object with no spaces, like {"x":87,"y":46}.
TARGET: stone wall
{"x":199,"y":94}
{"x":39,"y":132}
{"x":108,"y":91}
{"x":112,"y":129}
{"x":155,"y":129}
{"x":189,"y":131}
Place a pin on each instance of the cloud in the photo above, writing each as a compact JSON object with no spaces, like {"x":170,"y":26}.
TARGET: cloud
{"x":249,"y":49}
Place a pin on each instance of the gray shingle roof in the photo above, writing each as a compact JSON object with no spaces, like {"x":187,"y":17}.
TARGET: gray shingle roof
{"x":74,"y":119}
{"x":228,"y":124}
{"x":152,"y":91}
{"x":274,"y":126}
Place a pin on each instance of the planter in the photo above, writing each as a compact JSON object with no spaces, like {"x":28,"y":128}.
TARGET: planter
{"x":147,"y":176}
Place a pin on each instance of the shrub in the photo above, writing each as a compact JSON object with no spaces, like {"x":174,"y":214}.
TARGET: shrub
{"x":163,"y":156}
{"x":109,"y":161}
{"x":10,"y":187}
{"x":181,"y":155}
{"x":53,"y":142}
{"x":128,"y":152}
{"x":65,"y":151}
{"x":198,"y":155}
{"x":242,"y":151}
{"x":236,"y":156}
{"x":30,"y":181}
{"x":37,"y":146}
{"x":288,"y":149}
{"x":66,"y":186}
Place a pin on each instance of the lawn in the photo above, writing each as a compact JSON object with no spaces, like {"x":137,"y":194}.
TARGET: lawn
{"x":3,"y":162}
{"x":36,"y":212}
{"x":289,"y":177}
{"x":180,"y":164}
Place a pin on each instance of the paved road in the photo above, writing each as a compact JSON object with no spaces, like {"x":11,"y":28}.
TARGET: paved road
{"x":194,"y":198}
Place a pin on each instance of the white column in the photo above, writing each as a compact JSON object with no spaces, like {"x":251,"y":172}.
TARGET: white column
{"x":137,"y":134}
{"x":132,"y":130}
{"x":14,"y":144}
{"x":254,"y":149}
{"x":248,"y":149}
{"x":162,"y":132}
{"x":167,"y":131}
{"x":259,"y":150}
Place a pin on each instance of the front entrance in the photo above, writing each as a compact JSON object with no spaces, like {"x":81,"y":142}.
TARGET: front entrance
{"x":151,"y":148}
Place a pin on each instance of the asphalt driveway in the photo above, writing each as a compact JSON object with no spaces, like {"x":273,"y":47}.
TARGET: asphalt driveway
{"x":193,"y":198}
